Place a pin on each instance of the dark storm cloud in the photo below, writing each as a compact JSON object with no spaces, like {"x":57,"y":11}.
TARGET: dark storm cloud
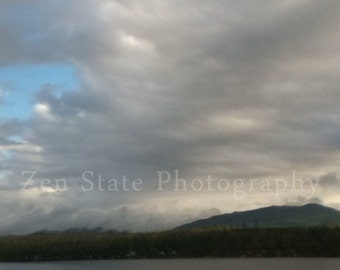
{"x":329,"y":181}
{"x":227,"y":88}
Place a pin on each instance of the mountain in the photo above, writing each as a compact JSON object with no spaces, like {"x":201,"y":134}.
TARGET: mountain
{"x":273,"y":216}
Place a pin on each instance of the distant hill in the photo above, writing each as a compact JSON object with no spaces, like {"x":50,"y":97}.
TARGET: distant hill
{"x":273,"y":216}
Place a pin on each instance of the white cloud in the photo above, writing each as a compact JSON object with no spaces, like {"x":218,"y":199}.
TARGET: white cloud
{"x":43,"y":111}
{"x":133,"y":43}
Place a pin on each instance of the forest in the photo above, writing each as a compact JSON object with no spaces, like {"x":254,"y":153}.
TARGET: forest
{"x":194,"y":243}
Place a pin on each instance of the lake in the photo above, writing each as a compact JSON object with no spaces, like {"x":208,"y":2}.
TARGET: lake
{"x":187,"y":264}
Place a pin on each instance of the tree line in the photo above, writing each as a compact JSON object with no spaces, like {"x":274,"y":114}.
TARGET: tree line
{"x":194,"y":243}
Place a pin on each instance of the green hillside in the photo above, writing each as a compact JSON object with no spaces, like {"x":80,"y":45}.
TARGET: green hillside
{"x":273,"y":216}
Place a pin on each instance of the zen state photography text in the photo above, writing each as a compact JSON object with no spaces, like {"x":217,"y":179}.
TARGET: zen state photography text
{"x":172,"y":181}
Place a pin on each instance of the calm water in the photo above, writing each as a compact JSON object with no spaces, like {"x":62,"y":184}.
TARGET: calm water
{"x":186,"y":264}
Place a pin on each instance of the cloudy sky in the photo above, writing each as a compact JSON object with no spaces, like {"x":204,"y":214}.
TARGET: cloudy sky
{"x":143,"y":115}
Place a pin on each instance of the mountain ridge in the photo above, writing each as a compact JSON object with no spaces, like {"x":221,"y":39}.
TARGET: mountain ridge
{"x":273,"y":216}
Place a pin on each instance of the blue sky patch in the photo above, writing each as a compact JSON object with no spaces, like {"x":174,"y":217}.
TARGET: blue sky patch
{"x":18,"y":85}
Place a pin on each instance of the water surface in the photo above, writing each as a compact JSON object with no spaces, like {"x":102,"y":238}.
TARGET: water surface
{"x":186,"y":264}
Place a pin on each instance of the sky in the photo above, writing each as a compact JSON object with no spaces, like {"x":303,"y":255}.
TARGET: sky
{"x":20,"y":83}
{"x":144,"y":115}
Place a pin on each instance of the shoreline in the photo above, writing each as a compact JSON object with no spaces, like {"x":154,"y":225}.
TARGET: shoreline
{"x":220,"y":242}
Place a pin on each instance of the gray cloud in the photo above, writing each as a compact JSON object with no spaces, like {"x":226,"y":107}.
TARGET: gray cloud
{"x":226,"y":88}
{"x":329,"y":181}
{"x":302,"y":201}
